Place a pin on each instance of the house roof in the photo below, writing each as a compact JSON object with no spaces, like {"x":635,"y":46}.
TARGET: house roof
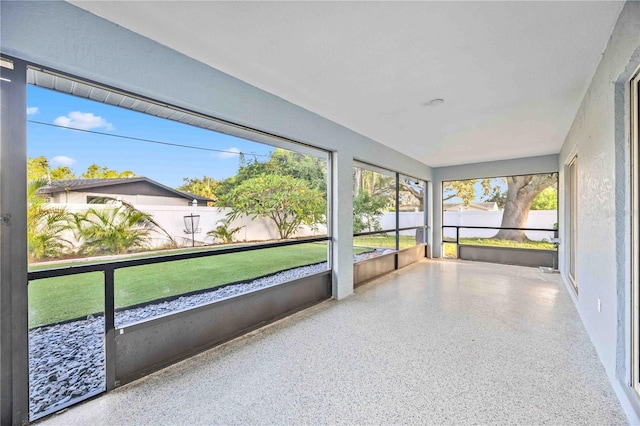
{"x":88,"y":184}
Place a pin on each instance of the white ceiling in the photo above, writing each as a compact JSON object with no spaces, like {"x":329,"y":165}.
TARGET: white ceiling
{"x":512,"y":74}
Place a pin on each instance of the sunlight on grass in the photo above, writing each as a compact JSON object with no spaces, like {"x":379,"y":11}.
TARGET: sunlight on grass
{"x":540,"y":245}
{"x":449,"y":249}
{"x":384,"y":241}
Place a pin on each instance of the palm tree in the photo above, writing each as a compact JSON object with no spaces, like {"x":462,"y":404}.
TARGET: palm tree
{"x":224,"y":233}
{"x":115,"y":230}
{"x":45,"y":225}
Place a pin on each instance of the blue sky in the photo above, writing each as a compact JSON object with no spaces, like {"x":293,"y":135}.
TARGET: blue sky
{"x":165,"y":164}
{"x":479,"y":190}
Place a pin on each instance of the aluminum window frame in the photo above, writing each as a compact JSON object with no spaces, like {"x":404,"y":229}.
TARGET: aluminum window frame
{"x":397,"y":229}
{"x":635,"y":229}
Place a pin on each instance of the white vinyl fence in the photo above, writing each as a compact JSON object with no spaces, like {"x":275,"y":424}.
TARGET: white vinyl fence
{"x":407,"y":220}
{"x":544,"y":219}
{"x":171,"y":218}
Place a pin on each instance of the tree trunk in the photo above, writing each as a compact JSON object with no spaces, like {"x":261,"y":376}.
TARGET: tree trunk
{"x":521,"y":191}
{"x":357,"y":180}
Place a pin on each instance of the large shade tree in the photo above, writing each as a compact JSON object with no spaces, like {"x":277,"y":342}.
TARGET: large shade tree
{"x":521,"y":192}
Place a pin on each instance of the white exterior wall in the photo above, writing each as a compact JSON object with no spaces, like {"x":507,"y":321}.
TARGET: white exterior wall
{"x":76,"y":197}
{"x":599,"y":136}
{"x":140,"y":200}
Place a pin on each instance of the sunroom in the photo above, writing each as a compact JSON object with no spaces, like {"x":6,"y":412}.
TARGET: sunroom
{"x":369,"y":142}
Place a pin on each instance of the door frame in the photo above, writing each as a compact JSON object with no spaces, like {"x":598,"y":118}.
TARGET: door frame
{"x":635,"y":226}
{"x":571,"y":221}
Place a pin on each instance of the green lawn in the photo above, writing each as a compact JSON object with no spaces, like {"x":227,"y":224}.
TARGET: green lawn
{"x":53,"y":300}
{"x":384,"y":241}
{"x":111,"y":258}
{"x":450,"y":248}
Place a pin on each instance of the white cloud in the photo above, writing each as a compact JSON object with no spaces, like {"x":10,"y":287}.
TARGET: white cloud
{"x":83,"y":121}
{"x":229,"y":153}
{"x":32,"y":110}
{"x":62,"y":160}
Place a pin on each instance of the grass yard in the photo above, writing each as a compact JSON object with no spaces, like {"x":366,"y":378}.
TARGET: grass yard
{"x":58,"y":299}
{"x":61,"y":263}
{"x":450,"y":248}
{"x":386,"y":241}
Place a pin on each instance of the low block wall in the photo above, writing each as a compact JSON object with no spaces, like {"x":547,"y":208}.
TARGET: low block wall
{"x":411,"y":255}
{"x":368,"y":269}
{"x":149,"y":346}
{"x":509,"y":256}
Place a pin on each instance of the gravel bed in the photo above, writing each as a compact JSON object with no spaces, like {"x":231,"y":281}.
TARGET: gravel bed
{"x":186,"y":302}
{"x":66,"y":361}
{"x":375,"y":253}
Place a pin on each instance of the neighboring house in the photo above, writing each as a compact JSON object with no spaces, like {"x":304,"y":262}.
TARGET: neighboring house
{"x":137,"y":190}
{"x":483,"y":207}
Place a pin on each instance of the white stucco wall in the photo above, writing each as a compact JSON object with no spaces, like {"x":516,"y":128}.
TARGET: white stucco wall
{"x":599,"y":136}
{"x":77,"y":197}
{"x":68,"y":39}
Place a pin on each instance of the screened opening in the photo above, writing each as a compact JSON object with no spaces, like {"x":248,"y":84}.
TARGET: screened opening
{"x":388,"y":211}
{"x":166,"y":210}
{"x":519,"y":212}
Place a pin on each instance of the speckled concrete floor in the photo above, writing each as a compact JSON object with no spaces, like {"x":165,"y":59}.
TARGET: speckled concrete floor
{"x":439,"y":342}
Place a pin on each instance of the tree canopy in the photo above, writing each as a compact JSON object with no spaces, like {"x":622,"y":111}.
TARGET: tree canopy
{"x":288,"y":201}
{"x":205,"y":187}
{"x":94,"y":171}
{"x":281,"y":162}
{"x":463,"y":189}
{"x":546,"y":200}
{"x":367,"y":210}
{"x":39,"y":168}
